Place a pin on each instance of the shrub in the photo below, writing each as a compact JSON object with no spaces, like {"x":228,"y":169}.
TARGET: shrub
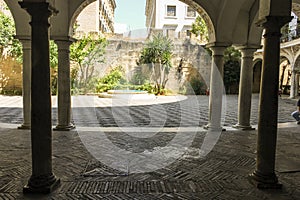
{"x":111,"y":80}
{"x":197,"y":86}
{"x":146,"y":87}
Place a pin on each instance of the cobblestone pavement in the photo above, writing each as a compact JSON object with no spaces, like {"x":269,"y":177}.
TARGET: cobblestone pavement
{"x":221,"y":174}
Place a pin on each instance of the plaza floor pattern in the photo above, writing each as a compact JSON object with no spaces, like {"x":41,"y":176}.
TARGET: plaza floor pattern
{"x":129,"y":139}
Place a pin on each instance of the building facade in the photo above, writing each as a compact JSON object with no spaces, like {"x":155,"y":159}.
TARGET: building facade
{"x":173,"y":16}
{"x":97,"y":17}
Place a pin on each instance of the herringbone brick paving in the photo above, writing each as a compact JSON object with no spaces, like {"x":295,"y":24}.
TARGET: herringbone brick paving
{"x":140,"y":114}
{"x":222,"y":174}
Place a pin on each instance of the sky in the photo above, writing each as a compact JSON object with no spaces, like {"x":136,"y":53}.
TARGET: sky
{"x":131,"y":12}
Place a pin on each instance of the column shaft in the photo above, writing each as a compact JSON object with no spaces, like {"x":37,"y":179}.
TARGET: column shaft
{"x":26,"y":88}
{"x":64,"y":86}
{"x":216,"y":89}
{"x":293,"y":90}
{"x":264,"y":176}
{"x":245,"y":89}
{"x":297,"y":84}
{"x":42,"y":179}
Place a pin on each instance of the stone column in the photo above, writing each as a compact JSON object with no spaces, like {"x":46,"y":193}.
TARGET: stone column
{"x":64,"y":86}
{"x":26,"y":89}
{"x":42,"y":179}
{"x":264,"y":176}
{"x":294,"y":88}
{"x":216,"y":89}
{"x":245,"y":89}
{"x":297,"y":84}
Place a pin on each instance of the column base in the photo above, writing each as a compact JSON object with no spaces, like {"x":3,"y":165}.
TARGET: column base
{"x":261,"y":181}
{"x":243,"y":128}
{"x":213,"y":128}
{"x":41,"y":184}
{"x":25,"y":127}
{"x":64,"y":127}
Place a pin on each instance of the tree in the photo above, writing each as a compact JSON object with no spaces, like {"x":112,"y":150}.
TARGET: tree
{"x":199,"y":28}
{"x":53,"y":66}
{"x":86,"y":52}
{"x":10,"y":57}
{"x":231,"y":69}
{"x":157,"y":54}
{"x":8,"y":44}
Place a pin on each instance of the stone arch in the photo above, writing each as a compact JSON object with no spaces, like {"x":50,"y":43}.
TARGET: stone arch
{"x":255,"y":32}
{"x":284,"y":73}
{"x":297,"y":63}
{"x":297,"y":73}
{"x":204,"y":12}
{"x":21,"y":18}
{"x":297,"y":54}
{"x":237,"y":24}
{"x":77,"y":9}
{"x":246,"y":32}
{"x":233,"y":21}
{"x":286,"y":55}
{"x":257,"y":65}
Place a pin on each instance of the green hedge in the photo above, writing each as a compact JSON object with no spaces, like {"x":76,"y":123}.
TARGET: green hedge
{"x":102,"y":87}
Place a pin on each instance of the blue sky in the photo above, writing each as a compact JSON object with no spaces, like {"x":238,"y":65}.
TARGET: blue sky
{"x":131,"y":12}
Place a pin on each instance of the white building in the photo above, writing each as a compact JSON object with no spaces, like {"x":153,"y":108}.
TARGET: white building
{"x":173,"y":16}
{"x":293,"y":25}
{"x":121,"y":28}
{"x":97,"y":17}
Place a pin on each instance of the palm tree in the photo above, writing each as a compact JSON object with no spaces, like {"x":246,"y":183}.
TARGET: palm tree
{"x":157,"y":55}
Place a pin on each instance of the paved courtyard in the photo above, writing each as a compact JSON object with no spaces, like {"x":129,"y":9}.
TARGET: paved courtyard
{"x":137,"y":157}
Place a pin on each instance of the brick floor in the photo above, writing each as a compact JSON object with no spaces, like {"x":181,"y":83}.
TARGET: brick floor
{"x":222,"y":174}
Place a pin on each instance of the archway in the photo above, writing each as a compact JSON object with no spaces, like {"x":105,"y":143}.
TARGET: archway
{"x":218,"y":48}
{"x":256,"y":76}
{"x":284,"y":75}
{"x":295,"y":80}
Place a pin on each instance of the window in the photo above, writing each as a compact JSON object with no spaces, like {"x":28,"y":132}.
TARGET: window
{"x":171,"y":11}
{"x":190,"y":12}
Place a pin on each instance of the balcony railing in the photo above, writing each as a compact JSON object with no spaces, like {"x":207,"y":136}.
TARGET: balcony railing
{"x":289,"y":37}
{"x":290,"y":34}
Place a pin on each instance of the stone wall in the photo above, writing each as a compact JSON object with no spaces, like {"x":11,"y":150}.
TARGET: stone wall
{"x":125,"y":53}
{"x":10,"y":76}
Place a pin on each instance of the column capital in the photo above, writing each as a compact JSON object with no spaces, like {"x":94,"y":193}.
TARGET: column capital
{"x":273,"y":23}
{"x":247,"y":46}
{"x":217,"y":50}
{"x":63,"y":38}
{"x":247,"y":52}
{"x":39,"y":11}
{"x":63,"y":43}
{"x":26,"y":42}
{"x":22,"y":37}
